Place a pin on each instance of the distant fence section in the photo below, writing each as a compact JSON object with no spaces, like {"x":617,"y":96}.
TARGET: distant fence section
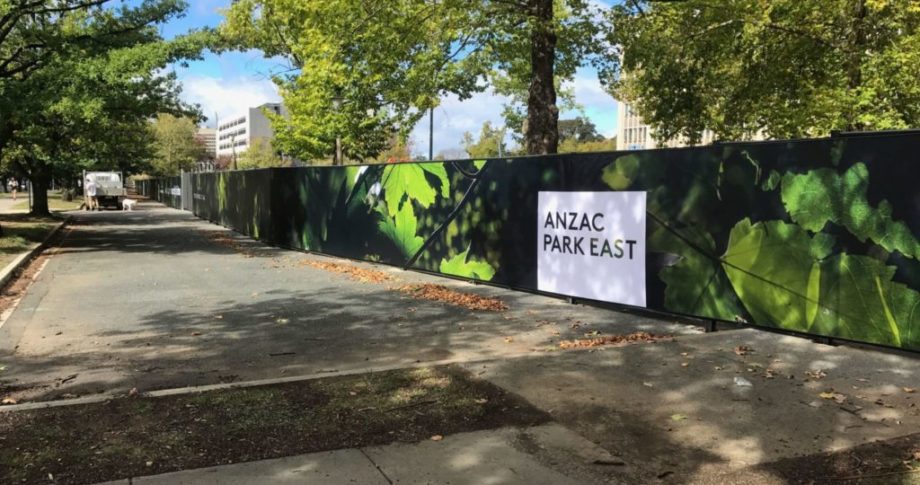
{"x":167,"y":190}
{"x":813,"y":236}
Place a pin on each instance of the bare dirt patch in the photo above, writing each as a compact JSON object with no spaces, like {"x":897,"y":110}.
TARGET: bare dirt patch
{"x":135,"y":436}
{"x":443,"y":294}
{"x":632,"y":338}
{"x":353,"y":272}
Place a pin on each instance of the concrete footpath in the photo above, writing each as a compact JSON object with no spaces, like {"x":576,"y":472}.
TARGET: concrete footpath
{"x":503,"y":456}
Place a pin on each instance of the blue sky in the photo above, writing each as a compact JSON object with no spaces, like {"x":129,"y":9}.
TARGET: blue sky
{"x":228,"y":83}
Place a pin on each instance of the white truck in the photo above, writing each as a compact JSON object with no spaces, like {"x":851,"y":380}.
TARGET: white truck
{"x":110,"y":188}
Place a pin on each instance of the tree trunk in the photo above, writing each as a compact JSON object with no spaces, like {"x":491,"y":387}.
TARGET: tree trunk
{"x":858,"y":43}
{"x":40,"y":179}
{"x":541,"y":135}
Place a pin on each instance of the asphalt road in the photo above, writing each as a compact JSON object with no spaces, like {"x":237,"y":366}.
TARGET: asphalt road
{"x":150,"y":300}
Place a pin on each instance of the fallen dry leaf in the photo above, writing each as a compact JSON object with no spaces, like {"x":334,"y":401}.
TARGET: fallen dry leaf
{"x":353,"y":272}
{"x":910,"y":390}
{"x":815,"y":374}
{"x":508,"y":340}
{"x":8,"y":400}
{"x":743,"y":350}
{"x":437,"y":437}
{"x":636,"y":337}
{"x":836,"y":396}
{"x":443,"y":294}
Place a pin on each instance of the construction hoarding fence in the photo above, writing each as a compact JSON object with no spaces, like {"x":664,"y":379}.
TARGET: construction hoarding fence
{"x":813,"y":236}
{"x":167,"y":190}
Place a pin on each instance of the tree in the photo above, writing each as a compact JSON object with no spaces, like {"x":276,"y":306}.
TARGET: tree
{"x":86,"y":106}
{"x":786,"y":68}
{"x":579,"y":129}
{"x":572,"y":145}
{"x":175,"y":145}
{"x":361,"y":71}
{"x":491,"y":142}
{"x":388,"y":62}
{"x":261,"y":154}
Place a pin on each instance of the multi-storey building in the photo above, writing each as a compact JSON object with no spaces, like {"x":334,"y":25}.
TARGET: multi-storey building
{"x":207,"y":137}
{"x":236,"y":134}
{"x":634,"y":134}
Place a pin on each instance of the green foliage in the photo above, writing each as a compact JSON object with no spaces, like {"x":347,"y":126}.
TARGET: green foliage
{"x":579,"y":129}
{"x":407,"y":181}
{"x":620,"y":174}
{"x":770,"y":266}
{"x":789,"y":68}
{"x":785,"y":277}
{"x":572,"y":145}
{"x":696,"y":284}
{"x":820,"y":196}
{"x":85,"y":101}
{"x":490,"y":143}
{"x":390,"y":62}
{"x":387,"y":63}
{"x":176,"y":147}
{"x":401,"y":230}
{"x":772,"y":181}
{"x":464,"y":266}
{"x":260,"y":154}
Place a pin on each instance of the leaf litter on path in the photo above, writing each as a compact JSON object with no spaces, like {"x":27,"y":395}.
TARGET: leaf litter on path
{"x":632,"y":338}
{"x":358,"y":274}
{"x":443,"y":294}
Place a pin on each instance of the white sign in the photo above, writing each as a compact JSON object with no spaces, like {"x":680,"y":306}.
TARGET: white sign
{"x":592,"y":245}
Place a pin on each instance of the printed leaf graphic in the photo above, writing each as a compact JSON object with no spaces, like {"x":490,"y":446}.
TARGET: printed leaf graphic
{"x":460,"y":265}
{"x":695,"y":283}
{"x":821,"y":196}
{"x":408,"y":180}
{"x":861,"y":302}
{"x":401,"y":230}
{"x":620,"y":174}
{"x":784,"y":277}
{"x":770,"y":266}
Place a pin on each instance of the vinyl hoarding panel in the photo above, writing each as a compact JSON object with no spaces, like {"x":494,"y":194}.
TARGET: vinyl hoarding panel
{"x":815,"y":236}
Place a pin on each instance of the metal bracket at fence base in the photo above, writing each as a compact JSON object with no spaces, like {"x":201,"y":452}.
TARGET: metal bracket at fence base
{"x":712,"y":326}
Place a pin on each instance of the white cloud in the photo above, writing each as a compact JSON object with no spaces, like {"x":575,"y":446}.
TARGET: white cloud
{"x":454,"y":117}
{"x":596,"y":103}
{"x":227,"y":97}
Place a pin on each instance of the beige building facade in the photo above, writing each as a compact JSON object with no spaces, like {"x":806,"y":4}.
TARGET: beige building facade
{"x":634,"y":134}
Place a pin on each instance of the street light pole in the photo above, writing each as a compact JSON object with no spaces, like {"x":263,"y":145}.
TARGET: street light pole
{"x":431,"y":134}
{"x":233,"y":144}
{"x":337,"y":106}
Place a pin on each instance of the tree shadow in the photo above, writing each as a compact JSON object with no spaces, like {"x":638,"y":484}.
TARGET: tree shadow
{"x":692,"y":423}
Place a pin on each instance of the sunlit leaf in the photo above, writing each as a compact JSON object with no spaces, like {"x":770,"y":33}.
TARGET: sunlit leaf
{"x":401,"y":230}
{"x":463,"y":265}
{"x":820,"y":196}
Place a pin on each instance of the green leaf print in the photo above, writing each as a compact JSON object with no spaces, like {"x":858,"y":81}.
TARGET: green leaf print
{"x":787,"y":278}
{"x":620,"y":174}
{"x":820,"y":196}
{"x":696,"y":284}
{"x":462,"y":265}
{"x":408,"y":180}
{"x":401,"y":230}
